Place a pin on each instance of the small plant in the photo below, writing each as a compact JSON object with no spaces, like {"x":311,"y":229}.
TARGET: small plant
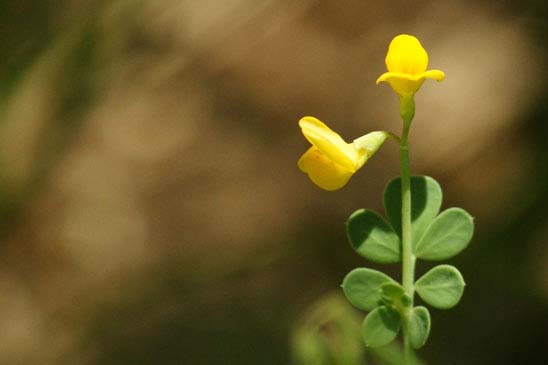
{"x":413,"y":229}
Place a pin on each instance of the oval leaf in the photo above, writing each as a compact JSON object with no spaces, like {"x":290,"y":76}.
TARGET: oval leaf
{"x":372,"y":237}
{"x":441,"y":287}
{"x":419,"y":326}
{"x":447,"y":236}
{"x":426,"y":197}
{"x":381,"y":326}
{"x":392,"y":292}
{"x":363,"y":286}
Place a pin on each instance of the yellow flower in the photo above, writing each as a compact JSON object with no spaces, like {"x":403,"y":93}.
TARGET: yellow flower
{"x":406,"y":62}
{"x":331,"y":162}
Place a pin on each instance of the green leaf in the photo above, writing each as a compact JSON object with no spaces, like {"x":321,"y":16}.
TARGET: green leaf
{"x":419,"y":326}
{"x":362,"y":287}
{"x":381,"y":326}
{"x":393,"y":293}
{"x":447,"y":236}
{"x":441,"y":287}
{"x":426,"y":197}
{"x":372,"y":237}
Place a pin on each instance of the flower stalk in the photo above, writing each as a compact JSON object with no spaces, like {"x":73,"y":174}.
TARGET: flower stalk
{"x":407,"y":112}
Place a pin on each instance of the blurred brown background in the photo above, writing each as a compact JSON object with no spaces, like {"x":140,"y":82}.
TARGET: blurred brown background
{"x":151,"y":211}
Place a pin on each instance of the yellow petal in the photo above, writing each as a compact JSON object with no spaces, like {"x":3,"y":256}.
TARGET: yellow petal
{"x":323,"y":172}
{"x":435,"y":75}
{"x":406,"y":55}
{"x":405,"y":84}
{"x":329,"y":142}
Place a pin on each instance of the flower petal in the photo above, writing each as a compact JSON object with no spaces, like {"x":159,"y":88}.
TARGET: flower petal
{"x":435,"y":75}
{"x":329,"y":142}
{"x":323,"y":172}
{"x":403,"y":84}
{"x":406,"y":55}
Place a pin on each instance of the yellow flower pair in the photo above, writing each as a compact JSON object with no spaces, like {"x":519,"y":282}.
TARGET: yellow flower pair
{"x":331,"y":161}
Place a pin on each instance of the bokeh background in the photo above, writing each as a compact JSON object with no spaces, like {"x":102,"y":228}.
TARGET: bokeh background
{"x":151,"y":211}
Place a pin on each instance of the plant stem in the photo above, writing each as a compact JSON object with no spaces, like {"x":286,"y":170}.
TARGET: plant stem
{"x":407,"y":111}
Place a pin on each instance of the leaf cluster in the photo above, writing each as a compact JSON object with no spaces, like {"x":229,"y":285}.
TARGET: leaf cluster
{"x":435,"y":236}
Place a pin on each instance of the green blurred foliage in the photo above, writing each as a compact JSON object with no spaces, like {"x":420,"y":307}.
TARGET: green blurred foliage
{"x":329,"y":334}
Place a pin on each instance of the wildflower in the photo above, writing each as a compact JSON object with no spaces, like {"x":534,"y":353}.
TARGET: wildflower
{"x":407,"y":62}
{"x":331,"y":161}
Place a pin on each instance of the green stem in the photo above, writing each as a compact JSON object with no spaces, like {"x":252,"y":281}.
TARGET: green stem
{"x":407,"y":111}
